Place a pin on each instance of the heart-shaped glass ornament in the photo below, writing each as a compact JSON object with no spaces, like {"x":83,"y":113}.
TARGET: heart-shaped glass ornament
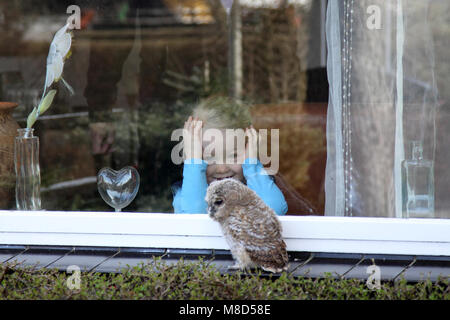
{"x":118,"y":188}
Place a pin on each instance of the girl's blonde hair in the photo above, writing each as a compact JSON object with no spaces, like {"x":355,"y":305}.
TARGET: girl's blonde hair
{"x":220,"y":112}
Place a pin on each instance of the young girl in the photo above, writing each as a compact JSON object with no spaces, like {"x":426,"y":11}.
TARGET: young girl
{"x":198,"y":173}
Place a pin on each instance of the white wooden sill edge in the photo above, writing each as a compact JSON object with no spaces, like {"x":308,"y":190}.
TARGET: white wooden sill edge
{"x":198,"y":231}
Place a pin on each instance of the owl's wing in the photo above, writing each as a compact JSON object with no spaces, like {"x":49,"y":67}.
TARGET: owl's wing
{"x":262,"y":240}
{"x":272,"y":258}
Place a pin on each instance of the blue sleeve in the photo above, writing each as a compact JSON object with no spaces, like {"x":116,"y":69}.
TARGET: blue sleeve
{"x":259,"y":181}
{"x":190,"y":198}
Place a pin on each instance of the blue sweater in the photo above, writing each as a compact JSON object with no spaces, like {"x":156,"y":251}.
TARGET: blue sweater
{"x":190,"y":197}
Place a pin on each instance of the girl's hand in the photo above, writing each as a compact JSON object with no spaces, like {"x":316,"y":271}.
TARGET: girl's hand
{"x":251,"y":149}
{"x":192,"y":139}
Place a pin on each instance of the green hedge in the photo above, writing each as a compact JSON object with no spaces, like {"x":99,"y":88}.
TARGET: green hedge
{"x":200,"y":280}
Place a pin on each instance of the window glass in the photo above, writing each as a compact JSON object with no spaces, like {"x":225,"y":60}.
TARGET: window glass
{"x":387,"y":131}
{"x":138,"y":68}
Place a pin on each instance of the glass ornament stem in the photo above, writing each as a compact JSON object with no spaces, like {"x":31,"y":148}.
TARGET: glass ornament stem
{"x":28,"y":177}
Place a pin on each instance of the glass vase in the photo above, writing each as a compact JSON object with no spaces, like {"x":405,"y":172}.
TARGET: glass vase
{"x":418,"y":184}
{"x":28,"y":177}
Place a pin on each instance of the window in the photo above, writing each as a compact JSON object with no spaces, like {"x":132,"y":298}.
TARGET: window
{"x":386,"y":136}
{"x":137,"y":70}
{"x":349,"y":87}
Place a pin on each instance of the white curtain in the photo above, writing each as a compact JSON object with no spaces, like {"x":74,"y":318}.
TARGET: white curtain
{"x":383,"y":94}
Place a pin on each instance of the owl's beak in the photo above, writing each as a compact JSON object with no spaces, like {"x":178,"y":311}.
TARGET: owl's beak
{"x":211,"y":211}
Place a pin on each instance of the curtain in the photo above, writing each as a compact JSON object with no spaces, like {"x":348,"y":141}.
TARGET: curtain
{"x":383,"y":95}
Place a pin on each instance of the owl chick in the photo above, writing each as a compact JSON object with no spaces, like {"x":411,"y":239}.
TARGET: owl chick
{"x":250,"y":227}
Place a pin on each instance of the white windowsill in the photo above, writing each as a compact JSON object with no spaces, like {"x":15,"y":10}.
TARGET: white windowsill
{"x":429,"y":237}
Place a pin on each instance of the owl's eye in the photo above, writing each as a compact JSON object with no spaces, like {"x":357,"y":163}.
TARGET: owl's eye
{"x":218,"y":202}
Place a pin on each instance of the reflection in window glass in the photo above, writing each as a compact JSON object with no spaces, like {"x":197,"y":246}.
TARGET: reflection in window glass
{"x":139,"y":68}
{"x":387,"y":127}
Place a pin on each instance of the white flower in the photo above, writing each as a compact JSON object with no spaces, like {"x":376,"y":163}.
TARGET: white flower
{"x":57,"y":54}
{"x":59,"y":49}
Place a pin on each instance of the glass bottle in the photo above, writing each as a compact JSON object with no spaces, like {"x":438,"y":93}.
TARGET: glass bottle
{"x":28,"y":177}
{"x":418,"y":184}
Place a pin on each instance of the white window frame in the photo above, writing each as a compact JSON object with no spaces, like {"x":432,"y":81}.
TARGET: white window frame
{"x":427,"y":237}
